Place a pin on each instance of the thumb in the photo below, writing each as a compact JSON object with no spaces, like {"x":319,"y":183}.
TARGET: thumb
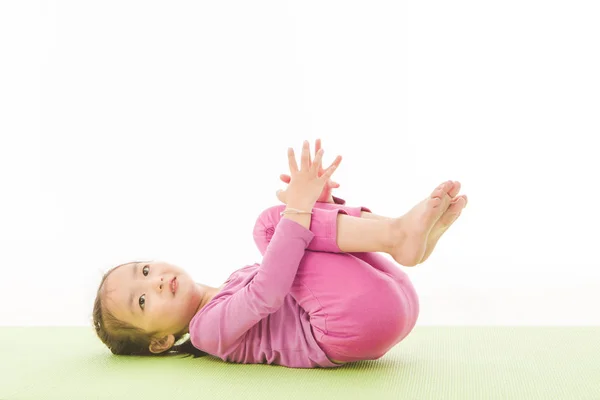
{"x":280,"y":196}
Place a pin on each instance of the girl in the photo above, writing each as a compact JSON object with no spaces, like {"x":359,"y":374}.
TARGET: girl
{"x":321,"y":296}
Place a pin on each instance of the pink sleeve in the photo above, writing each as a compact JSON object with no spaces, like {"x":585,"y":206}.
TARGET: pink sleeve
{"x":232,"y":317}
{"x":341,"y":203}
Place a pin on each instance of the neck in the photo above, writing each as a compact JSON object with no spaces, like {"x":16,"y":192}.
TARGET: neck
{"x":208,"y":293}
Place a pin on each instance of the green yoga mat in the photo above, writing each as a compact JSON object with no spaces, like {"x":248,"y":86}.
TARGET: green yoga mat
{"x":431,"y":363}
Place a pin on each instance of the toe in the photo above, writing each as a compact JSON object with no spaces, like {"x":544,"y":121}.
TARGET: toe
{"x":458,"y":204}
{"x":455,"y":189}
{"x":447,"y":186}
{"x":442,"y":189}
{"x":438,"y":192}
{"x":436,"y":201}
{"x":462,"y":198}
{"x":453,"y":212}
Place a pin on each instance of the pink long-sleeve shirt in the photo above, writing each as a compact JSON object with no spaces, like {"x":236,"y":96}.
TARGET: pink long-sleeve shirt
{"x":254,"y":319}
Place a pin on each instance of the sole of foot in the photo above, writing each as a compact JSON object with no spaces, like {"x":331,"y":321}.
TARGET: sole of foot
{"x":409,"y":232}
{"x":450,"y":216}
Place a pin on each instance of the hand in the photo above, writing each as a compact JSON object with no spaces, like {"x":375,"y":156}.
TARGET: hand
{"x":306,"y":184}
{"x":325,"y":196}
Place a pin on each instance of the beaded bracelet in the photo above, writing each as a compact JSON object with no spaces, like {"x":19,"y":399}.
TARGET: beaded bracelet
{"x":290,"y":210}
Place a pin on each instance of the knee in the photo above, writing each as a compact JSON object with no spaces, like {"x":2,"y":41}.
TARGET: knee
{"x":265,"y":225}
{"x":268,"y":218}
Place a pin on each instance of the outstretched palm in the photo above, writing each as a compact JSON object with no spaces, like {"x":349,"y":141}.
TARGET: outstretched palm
{"x":329,"y":186}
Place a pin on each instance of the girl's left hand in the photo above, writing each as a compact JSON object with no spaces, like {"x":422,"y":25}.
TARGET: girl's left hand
{"x":325,"y":196}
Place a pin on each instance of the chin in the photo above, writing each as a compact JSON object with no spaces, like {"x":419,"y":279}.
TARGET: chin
{"x":190,"y":295}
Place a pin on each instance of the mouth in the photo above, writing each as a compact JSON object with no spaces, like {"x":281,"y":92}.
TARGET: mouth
{"x":173,"y":284}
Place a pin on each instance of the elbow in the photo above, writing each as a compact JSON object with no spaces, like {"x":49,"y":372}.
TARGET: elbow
{"x":265,"y":303}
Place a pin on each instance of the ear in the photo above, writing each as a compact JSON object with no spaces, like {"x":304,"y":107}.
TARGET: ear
{"x":161,"y":344}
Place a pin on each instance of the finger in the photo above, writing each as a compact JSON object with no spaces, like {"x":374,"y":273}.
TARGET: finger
{"x":335,"y":185}
{"x":317,"y":148}
{"x":336,"y":162}
{"x":280,"y":196}
{"x":305,"y":158}
{"x":316,"y":166}
{"x":285,"y":178}
{"x":329,"y":171}
{"x":292,"y":161}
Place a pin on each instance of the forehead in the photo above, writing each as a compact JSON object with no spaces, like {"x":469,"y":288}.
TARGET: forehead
{"x":117,"y":290}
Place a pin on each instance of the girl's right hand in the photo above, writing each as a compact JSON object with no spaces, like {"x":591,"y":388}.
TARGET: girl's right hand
{"x":305,"y":184}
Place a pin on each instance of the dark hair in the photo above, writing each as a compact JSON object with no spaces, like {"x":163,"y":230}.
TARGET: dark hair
{"x":125,"y":339}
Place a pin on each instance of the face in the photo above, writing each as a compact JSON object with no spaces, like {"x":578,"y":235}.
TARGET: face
{"x":141,"y":295}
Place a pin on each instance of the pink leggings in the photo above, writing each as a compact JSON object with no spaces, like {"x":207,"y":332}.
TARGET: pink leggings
{"x":360,"y":305}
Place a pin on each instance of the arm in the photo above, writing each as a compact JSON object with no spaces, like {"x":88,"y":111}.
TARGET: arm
{"x":229,"y":318}
{"x":232,"y":317}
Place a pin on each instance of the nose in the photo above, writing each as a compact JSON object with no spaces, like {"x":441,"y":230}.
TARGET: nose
{"x":159,"y":284}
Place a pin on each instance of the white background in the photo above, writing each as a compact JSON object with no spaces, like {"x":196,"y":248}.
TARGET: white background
{"x":141,"y":130}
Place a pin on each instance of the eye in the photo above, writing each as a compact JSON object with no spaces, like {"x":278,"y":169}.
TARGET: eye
{"x":142,"y":299}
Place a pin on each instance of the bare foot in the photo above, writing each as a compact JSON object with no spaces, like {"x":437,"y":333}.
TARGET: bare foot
{"x":445,"y":221}
{"x":409,"y":232}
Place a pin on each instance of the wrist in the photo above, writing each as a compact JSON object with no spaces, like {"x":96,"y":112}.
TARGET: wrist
{"x":302,"y":219}
{"x":303,"y":206}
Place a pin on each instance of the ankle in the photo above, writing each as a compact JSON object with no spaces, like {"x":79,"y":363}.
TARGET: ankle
{"x":391,"y":227}
{"x":394,"y":234}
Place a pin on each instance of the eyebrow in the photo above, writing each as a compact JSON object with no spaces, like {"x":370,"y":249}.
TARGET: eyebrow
{"x":131,"y":306}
